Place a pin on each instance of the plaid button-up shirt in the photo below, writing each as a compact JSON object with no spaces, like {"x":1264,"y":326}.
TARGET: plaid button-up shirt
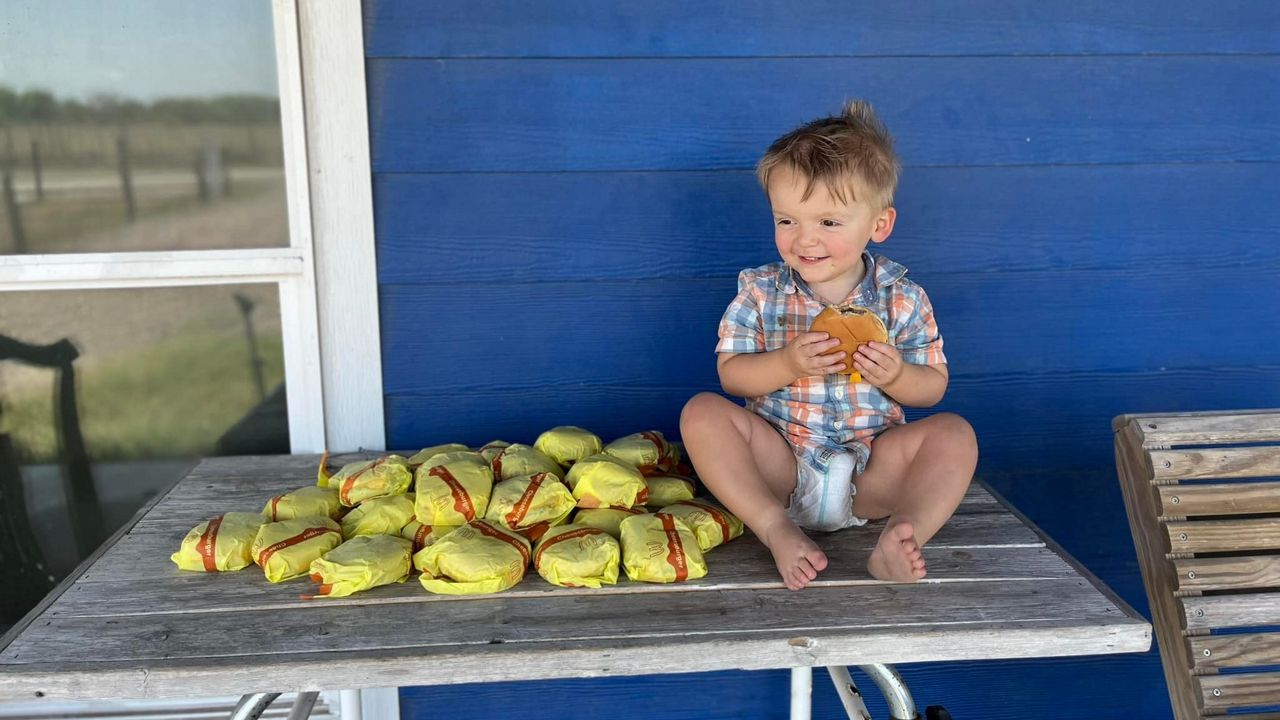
{"x":774,"y":305}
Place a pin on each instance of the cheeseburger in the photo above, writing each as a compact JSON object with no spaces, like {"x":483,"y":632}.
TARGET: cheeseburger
{"x":852,"y":326}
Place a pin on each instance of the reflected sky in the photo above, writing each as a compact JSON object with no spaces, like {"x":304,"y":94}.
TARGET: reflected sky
{"x":139,"y":49}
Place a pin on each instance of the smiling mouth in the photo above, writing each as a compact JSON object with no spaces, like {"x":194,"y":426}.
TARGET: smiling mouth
{"x":809,"y":259}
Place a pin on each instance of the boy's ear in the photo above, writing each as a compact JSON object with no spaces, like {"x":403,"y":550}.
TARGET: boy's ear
{"x":884,"y":225}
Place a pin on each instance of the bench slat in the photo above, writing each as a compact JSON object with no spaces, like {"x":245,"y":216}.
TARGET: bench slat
{"x":1216,"y":463}
{"x":1230,"y":573}
{"x":1223,"y":692}
{"x":1231,"y":611}
{"x":1168,"y":430}
{"x":1134,"y":468}
{"x":1232,"y":651}
{"x":1224,"y":535}
{"x":1219,"y":499}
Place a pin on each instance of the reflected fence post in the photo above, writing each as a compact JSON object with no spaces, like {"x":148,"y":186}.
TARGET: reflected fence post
{"x":255,"y":358}
{"x":13,"y":211}
{"x":126,"y":175}
{"x":36,"y":170}
{"x":9,"y":197}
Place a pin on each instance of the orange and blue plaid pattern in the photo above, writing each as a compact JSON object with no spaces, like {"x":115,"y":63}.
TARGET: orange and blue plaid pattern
{"x":774,"y":305}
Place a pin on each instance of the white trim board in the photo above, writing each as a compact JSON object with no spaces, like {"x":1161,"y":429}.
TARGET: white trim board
{"x":341,"y":183}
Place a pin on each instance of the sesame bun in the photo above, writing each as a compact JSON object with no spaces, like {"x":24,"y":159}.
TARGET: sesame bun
{"x":852,"y":326}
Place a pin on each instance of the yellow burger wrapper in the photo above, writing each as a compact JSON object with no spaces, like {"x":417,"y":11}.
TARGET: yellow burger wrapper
{"x":453,"y":489}
{"x":491,"y":449}
{"x":712,"y":524}
{"x":359,"y":481}
{"x":517,"y":460}
{"x":529,"y":505}
{"x":219,"y":545}
{"x":287,"y":548}
{"x":660,"y":548}
{"x":577,"y":556}
{"x":605,"y":481}
{"x":424,"y":535}
{"x":303,"y":502}
{"x":475,"y":559}
{"x":667,"y":489}
{"x":379,"y":516}
{"x":648,"y":451}
{"x":361,"y":563}
{"x":567,"y":444}
{"x":607,"y":519}
{"x":427,"y":453}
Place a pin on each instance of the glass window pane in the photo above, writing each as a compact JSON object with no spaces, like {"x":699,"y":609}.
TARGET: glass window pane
{"x":139,"y":125}
{"x":162,"y":377}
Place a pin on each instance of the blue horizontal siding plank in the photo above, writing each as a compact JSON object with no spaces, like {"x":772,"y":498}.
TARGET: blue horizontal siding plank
{"x":664,"y":332}
{"x":992,"y":690}
{"x":559,"y":227}
{"x":475,"y":415}
{"x":1032,"y":420}
{"x":658,"y":28}
{"x":704,"y":114}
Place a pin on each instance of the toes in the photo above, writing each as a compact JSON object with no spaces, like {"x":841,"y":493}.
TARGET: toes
{"x":807,"y":570}
{"x":818,"y":561}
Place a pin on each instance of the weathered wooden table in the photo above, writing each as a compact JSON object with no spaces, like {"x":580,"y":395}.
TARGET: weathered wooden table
{"x":127,"y":623}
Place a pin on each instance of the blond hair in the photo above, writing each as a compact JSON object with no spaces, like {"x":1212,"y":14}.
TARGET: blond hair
{"x":837,"y":151}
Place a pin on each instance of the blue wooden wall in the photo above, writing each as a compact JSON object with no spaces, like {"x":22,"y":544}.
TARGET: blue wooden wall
{"x":564,"y":196}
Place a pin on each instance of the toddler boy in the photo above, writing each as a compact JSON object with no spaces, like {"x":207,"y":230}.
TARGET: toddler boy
{"x":812,"y":449}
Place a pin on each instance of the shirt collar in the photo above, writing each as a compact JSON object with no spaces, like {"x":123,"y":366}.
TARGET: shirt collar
{"x":883,"y":272}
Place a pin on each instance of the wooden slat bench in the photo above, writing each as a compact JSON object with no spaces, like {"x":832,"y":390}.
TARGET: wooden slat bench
{"x":1206,"y":526}
{"x":128,"y":624}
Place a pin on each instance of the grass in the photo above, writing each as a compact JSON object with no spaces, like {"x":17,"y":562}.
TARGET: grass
{"x":173,"y":399}
{"x":55,"y":225}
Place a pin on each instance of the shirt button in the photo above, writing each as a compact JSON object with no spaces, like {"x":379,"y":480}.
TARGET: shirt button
{"x":839,"y":424}
{"x":839,"y":392}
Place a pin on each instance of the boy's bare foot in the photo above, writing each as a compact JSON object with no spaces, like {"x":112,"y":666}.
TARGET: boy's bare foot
{"x":897,"y":555}
{"x":798,"y":558}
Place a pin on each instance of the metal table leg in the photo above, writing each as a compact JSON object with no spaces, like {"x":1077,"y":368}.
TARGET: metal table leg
{"x":252,"y":706}
{"x":894,"y":689}
{"x":850,"y":697}
{"x":302,"y":706}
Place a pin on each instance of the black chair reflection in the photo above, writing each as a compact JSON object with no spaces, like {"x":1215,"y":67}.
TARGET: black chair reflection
{"x":22,"y":562}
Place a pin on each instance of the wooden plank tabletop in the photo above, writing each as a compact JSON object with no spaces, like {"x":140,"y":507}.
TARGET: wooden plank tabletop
{"x":127,"y":623}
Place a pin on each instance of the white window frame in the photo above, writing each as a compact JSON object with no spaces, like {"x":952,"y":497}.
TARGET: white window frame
{"x":327,"y":276}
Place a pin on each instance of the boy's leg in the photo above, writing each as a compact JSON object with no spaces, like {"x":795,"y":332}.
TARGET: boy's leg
{"x":750,"y":468}
{"x":917,"y":475}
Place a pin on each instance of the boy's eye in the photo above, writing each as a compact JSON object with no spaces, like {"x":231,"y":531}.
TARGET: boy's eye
{"x":830,"y":223}
{"x":783,"y":221}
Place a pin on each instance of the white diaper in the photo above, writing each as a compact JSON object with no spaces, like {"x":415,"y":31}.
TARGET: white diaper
{"x":823,"y":498}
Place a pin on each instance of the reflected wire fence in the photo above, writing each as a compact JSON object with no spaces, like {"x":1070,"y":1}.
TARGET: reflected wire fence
{"x":60,"y":181}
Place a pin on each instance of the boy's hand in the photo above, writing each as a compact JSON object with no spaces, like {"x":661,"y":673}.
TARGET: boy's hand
{"x":805,"y":356}
{"x":879,"y":363}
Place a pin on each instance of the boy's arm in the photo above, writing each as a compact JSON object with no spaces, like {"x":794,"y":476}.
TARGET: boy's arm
{"x":914,"y":385}
{"x":756,"y":374}
{"x":919,"y":385}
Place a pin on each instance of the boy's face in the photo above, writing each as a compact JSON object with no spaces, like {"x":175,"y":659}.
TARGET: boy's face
{"x":821,"y":237}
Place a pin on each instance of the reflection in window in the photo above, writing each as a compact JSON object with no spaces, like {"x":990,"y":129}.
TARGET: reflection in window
{"x":159,"y":378}
{"x":155,"y":125}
